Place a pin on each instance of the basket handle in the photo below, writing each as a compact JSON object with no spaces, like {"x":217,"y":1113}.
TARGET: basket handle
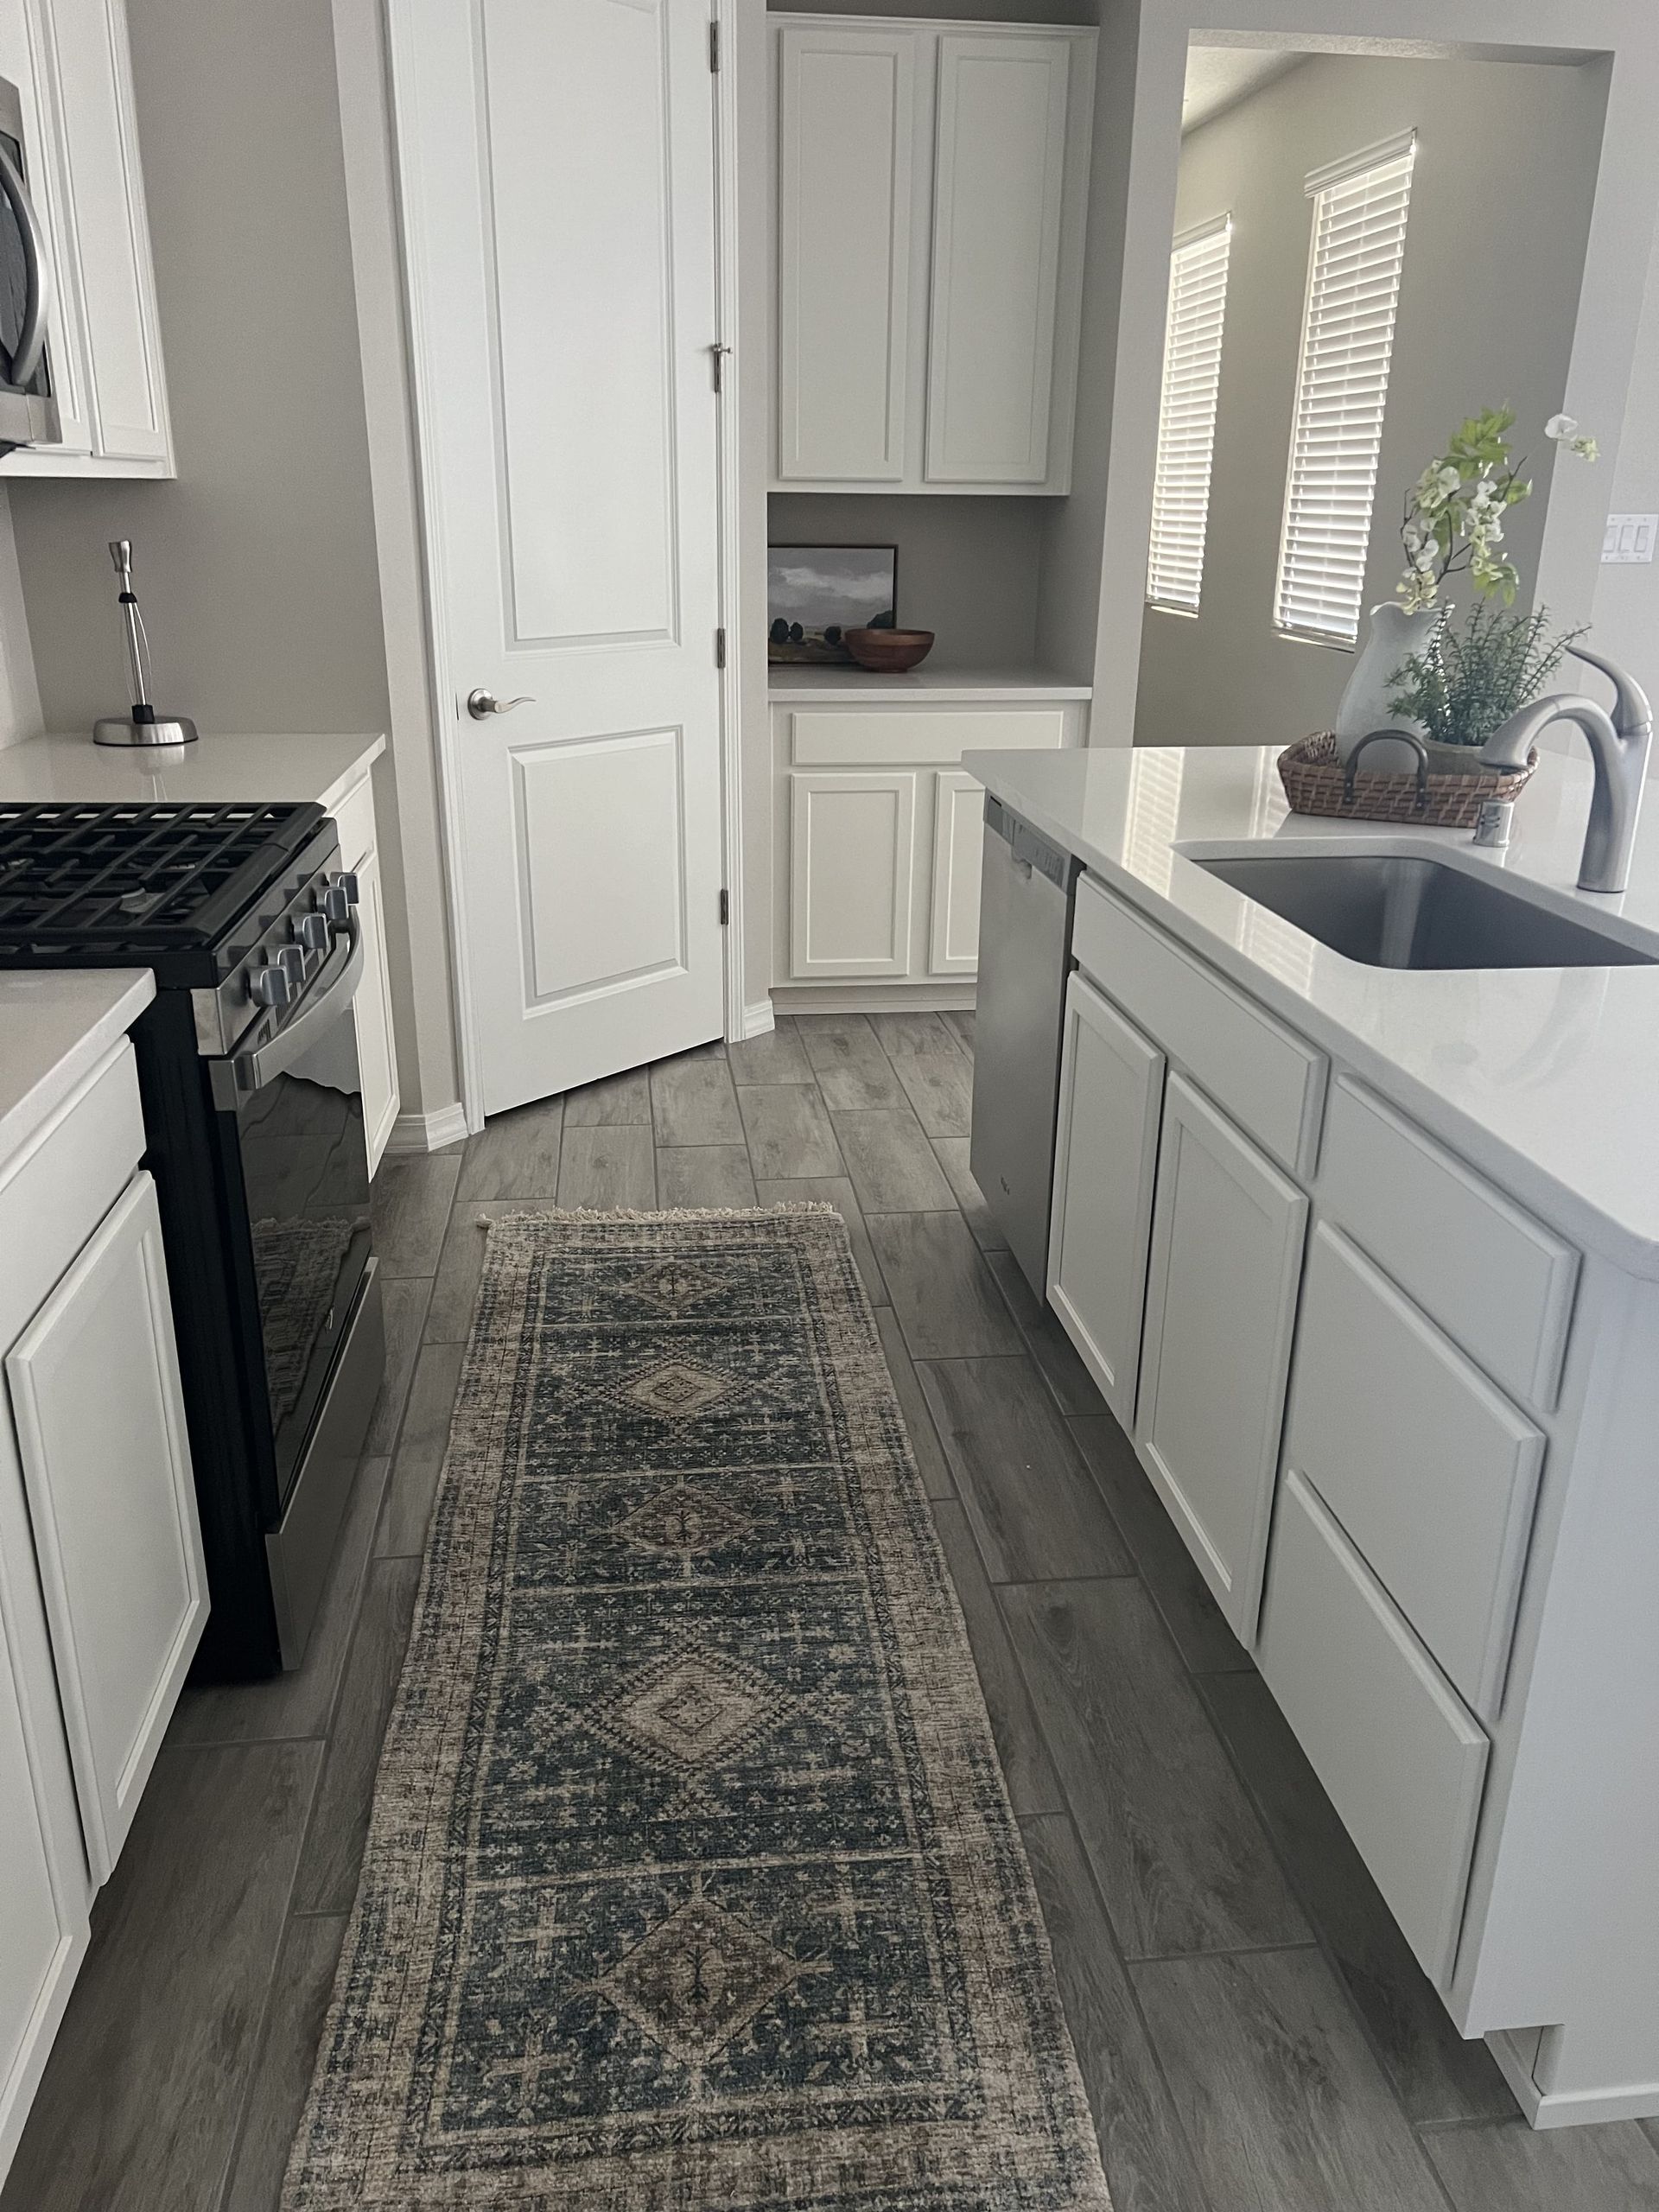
{"x":1403,"y":737}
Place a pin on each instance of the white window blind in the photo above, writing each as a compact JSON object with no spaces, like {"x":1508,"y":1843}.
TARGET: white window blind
{"x":1353,"y":290}
{"x":1186,"y":416}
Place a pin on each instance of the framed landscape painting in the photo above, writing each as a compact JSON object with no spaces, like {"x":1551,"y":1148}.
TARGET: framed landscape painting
{"x":815,"y":593}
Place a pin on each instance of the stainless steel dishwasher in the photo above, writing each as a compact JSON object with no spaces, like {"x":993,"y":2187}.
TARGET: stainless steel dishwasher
{"x":1027,"y":886}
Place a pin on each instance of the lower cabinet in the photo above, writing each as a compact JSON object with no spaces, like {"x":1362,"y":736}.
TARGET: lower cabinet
{"x":1226,"y":1261}
{"x":1106,"y":1155}
{"x":95,"y":1394}
{"x":377,"y":1055}
{"x":851,"y":855}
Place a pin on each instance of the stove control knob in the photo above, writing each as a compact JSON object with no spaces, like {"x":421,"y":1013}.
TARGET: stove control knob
{"x":272,"y":987}
{"x":314,"y":933}
{"x":291,"y":960}
{"x":340,"y":897}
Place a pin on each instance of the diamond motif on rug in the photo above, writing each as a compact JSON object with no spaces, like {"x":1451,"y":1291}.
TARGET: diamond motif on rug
{"x":683,"y":1519}
{"x":676,"y":1390}
{"x":675,"y":1286}
{"x":692,"y":1712}
{"x":697,"y":1978}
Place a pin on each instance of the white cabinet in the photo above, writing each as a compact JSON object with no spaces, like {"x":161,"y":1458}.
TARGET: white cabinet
{"x":1221,"y":1307}
{"x":355,"y":819}
{"x":930,"y":206}
{"x":72,"y":62}
{"x":95,"y":1394}
{"x":1106,"y":1155}
{"x":851,"y":847}
{"x":958,"y":842}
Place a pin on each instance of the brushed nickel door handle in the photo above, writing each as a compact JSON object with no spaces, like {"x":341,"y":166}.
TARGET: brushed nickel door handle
{"x":480,"y":705}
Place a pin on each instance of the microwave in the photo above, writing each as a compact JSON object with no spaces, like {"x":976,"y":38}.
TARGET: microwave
{"x":29,"y":412}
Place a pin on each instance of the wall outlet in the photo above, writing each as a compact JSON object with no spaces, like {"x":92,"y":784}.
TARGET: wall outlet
{"x":1630,"y":537}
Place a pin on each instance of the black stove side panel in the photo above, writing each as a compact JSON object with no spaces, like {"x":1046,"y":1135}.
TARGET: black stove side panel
{"x":204,"y":1228}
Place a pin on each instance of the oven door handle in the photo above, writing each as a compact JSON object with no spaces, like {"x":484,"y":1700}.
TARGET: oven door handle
{"x":337,"y":979}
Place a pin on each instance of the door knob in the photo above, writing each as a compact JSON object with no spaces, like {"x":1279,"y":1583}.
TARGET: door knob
{"x":482,"y":704}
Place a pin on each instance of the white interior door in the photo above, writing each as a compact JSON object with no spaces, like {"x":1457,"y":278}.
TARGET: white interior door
{"x":558,"y":183}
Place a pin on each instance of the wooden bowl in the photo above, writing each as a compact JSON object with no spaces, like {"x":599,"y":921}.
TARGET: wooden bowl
{"x":889,"y":652}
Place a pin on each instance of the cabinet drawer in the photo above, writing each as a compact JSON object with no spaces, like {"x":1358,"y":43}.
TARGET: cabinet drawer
{"x":1430,"y":1471}
{"x":1499,"y":1282}
{"x":355,"y":820}
{"x":1401,"y":1760}
{"x":822,"y":736}
{"x":1268,"y":1079}
{"x":64,"y":1183}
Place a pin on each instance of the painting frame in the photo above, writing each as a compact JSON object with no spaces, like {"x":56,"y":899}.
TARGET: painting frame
{"x":815,"y":591}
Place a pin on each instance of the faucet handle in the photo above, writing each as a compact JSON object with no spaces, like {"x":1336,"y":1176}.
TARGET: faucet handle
{"x":1632,"y":712}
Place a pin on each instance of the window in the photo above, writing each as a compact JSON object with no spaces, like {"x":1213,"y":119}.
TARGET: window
{"x":1353,"y":289}
{"x":1187,"y":417}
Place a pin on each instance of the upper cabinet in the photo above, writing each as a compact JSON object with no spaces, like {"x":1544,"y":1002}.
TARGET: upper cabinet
{"x":931,"y":182}
{"x":71,"y":65}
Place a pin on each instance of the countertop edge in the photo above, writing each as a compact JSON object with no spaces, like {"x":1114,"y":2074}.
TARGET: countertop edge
{"x":1518,"y":1173}
{"x":28,"y":1115}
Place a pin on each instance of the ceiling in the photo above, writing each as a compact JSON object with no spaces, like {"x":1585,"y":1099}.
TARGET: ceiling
{"x":1218,"y":77}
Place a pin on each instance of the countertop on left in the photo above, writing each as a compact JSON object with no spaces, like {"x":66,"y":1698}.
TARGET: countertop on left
{"x":276,"y":770}
{"x":55,"y":1027}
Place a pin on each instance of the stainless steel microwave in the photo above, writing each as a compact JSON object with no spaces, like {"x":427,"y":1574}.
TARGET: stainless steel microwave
{"x":29,"y":412}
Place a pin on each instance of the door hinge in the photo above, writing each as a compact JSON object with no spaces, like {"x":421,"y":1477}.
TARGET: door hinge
{"x":725,"y":908}
{"x":714,"y":47}
{"x":719,"y":649}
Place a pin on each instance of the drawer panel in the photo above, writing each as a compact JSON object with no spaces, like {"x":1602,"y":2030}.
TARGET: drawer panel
{"x":1494,"y":1279}
{"x":355,"y":819}
{"x":1401,"y":1760}
{"x":1270,"y":1081}
{"x":824,"y":735}
{"x":1430,"y":1471}
{"x":63,"y":1186}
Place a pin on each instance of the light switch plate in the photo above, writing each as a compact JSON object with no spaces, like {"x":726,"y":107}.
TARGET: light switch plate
{"x":1630,"y":537}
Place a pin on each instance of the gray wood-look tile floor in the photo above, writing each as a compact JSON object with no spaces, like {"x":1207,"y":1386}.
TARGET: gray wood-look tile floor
{"x":1254,"y":2034}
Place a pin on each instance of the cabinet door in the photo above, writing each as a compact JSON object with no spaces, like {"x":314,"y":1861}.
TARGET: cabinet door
{"x":372,"y":1009}
{"x":1111,"y":1094}
{"x":100,"y":1424}
{"x":998,"y":194}
{"x":1221,"y":1305}
{"x":847,"y":141}
{"x":958,"y":846}
{"x":109,"y":226}
{"x":852,"y":862}
{"x":44,"y":1891}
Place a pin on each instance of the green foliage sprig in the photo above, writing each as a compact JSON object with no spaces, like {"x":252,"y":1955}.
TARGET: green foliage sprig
{"x":1455,"y":513}
{"x":1465,"y":683}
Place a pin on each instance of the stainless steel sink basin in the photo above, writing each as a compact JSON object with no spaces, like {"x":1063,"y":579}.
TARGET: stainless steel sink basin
{"x":1393,"y":911}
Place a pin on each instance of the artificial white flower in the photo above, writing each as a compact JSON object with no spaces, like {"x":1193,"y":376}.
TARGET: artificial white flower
{"x":1561,"y":427}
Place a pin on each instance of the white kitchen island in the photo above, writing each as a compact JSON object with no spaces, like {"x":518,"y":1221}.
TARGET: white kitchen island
{"x":1366,"y":1262}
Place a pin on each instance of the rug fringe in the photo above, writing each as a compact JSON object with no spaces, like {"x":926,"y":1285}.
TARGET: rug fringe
{"x":665,"y":1213}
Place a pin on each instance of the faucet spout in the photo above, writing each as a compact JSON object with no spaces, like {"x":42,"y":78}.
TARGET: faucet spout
{"x":1619,"y":745}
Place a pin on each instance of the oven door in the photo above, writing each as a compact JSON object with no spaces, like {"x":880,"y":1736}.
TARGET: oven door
{"x":298,"y":1101}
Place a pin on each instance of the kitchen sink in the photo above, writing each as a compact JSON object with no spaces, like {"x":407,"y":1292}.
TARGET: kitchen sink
{"x":1394,"y":910}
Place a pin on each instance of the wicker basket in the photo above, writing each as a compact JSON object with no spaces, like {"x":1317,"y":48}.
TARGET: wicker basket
{"x":1316,"y":782}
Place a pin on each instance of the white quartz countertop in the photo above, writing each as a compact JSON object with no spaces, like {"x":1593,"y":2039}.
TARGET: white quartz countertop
{"x":276,"y":771}
{"x":1547,"y":1079}
{"x":928,"y":685}
{"x":55,"y":1027}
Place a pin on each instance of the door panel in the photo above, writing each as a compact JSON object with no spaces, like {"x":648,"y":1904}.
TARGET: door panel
{"x":847,"y":153}
{"x":95,"y":1386}
{"x":958,"y":836}
{"x":852,"y":841}
{"x":558,"y":183}
{"x":996,"y":253}
{"x":1221,"y":1305}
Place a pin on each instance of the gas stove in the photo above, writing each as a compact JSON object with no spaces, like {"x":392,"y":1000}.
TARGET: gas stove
{"x":247,"y":1066}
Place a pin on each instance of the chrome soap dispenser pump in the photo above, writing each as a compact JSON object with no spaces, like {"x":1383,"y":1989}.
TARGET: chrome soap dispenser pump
{"x":143,"y":726}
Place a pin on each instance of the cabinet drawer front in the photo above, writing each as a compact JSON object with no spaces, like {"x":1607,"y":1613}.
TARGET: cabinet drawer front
{"x":1226,"y":1258}
{"x":1269,"y":1080}
{"x":827,"y":735}
{"x":1429,"y":1469}
{"x":63,"y":1184}
{"x":1106,"y":1155}
{"x":1496,"y":1279}
{"x":1401,"y":1760}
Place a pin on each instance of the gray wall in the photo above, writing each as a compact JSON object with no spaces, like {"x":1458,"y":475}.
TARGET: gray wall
{"x":1627,"y":598}
{"x":967,"y":566}
{"x":257,"y":566}
{"x":1489,"y":295}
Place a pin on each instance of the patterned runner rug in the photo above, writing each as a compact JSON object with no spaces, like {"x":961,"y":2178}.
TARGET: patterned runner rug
{"x":691,"y":1880}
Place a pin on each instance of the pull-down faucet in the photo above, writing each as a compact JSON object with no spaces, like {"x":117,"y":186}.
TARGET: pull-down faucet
{"x":1618,"y":749}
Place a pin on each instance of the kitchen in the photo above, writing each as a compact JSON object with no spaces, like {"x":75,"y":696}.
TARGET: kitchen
{"x":1143,"y":1559}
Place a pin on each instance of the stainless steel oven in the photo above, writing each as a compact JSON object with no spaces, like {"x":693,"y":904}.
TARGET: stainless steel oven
{"x":28,"y":412}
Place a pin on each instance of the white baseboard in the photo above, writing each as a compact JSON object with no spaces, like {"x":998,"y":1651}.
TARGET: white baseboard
{"x":1574,"y":2108}
{"x":875,"y":998}
{"x":428,"y":1132}
{"x":757,"y":1021}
